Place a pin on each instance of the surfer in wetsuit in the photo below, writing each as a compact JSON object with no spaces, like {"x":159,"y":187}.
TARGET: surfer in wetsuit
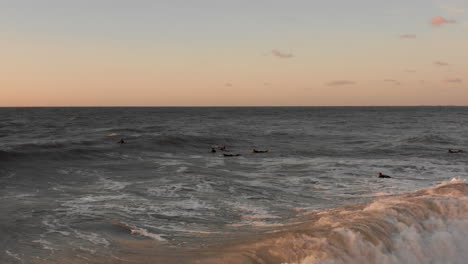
{"x":231,"y":155}
{"x":260,"y":151}
{"x":455,"y":151}
{"x":213,"y":150}
{"x":122,"y":141}
{"x":383,"y":176}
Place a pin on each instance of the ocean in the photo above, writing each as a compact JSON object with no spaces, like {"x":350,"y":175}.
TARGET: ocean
{"x":70,"y":193}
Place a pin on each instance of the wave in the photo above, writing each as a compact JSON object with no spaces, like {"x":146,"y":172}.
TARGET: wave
{"x":426,"y":226}
{"x":104,"y":145}
{"x":186,"y":140}
{"x":430,"y":138}
{"x":51,"y":153}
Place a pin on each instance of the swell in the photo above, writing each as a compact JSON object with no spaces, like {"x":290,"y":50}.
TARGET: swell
{"x":190,"y":140}
{"x":429,"y":138}
{"x":101,"y":146}
{"x":57,"y":150}
{"x":427,"y":226}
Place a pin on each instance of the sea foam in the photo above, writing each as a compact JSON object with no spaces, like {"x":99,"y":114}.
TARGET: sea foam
{"x":426,"y":226}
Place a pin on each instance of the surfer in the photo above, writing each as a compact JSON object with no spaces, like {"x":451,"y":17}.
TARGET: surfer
{"x":222,"y":148}
{"x":122,"y":141}
{"x":455,"y":151}
{"x":231,"y":155}
{"x":213,"y":150}
{"x":383,"y":176}
{"x":260,"y":151}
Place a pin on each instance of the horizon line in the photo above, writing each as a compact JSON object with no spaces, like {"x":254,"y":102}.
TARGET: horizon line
{"x":229,"y":106}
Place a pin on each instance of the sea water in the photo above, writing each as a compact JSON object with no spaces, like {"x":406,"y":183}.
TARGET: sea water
{"x":69,"y":193}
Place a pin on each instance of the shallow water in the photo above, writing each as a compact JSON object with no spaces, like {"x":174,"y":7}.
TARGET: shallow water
{"x":69,"y":191}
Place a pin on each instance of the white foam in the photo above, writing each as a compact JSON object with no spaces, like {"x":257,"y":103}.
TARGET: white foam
{"x":145,"y":233}
{"x":178,"y":228}
{"x":444,"y":242}
{"x":112,"y":185}
{"x":140,"y":231}
{"x":92,"y":251}
{"x":191,"y":204}
{"x":252,"y":215}
{"x":428,"y":228}
{"x":166,"y":190}
{"x":45,"y":244}
{"x":13,"y":255}
{"x":182,"y":169}
{"x":214,"y":162}
{"x":425,"y":226}
{"x":18,"y":196}
{"x":100,"y":198}
{"x":92,"y":237}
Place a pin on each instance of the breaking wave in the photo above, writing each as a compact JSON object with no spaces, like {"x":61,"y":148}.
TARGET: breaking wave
{"x":426,"y":226}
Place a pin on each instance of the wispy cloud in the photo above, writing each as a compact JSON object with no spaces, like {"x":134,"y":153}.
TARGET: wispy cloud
{"x":341,"y":83}
{"x":456,"y":80}
{"x":408,"y":36}
{"x":228,"y":84}
{"x":439,"y":21}
{"x":282,"y":55}
{"x":394,"y":82}
{"x":410,"y":71}
{"x":440,"y":63}
{"x":453,"y":11}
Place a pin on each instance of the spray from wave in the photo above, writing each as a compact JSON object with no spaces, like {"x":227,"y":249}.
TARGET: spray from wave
{"x":426,"y":226}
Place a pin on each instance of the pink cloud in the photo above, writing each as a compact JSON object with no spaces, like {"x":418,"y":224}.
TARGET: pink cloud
{"x":439,"y":21}
{"x":282,"y":55}
{"x":408,"y":36}
{"x":341,"y":83}
{"x":441,"y":63}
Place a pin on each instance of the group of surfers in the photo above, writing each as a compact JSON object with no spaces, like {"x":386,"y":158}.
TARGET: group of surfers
{"x":223,"y":149}
{"x":215,"y":149}
{"x":380,"y":175}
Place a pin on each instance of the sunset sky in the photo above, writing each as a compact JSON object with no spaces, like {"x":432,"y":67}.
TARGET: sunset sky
{"x":233,"y":53}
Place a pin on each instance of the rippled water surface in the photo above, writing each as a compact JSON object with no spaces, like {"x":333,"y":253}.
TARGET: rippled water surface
{"x":69,"y":192}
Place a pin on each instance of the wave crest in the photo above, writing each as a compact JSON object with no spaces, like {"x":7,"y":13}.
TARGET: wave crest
{"x":427,"y":226}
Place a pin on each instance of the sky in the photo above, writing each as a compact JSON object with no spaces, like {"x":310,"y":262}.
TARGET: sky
{"x":233,"y":53}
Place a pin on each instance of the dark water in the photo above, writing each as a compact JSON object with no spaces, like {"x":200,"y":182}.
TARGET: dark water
{"x":69,"y":191}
